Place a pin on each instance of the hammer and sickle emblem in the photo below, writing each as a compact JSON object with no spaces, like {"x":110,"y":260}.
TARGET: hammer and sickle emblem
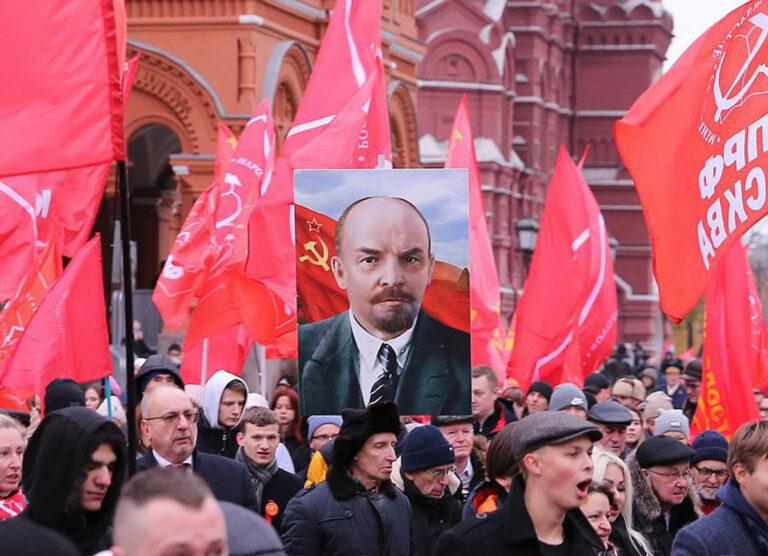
{"x":316,"y":259}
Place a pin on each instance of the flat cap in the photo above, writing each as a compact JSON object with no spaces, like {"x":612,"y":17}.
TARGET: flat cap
{"x":445,"y":420}
{"x":596,"y":382}
{"x":610,"y":412}
{"x":549,"y":427}
{"x":662,"y":450}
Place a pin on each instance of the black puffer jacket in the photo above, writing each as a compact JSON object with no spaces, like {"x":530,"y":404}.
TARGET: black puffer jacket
{"x":339,"y":517}
{"x":648,"y":518}
{"x":222,"y":442}
{"x":55,"y":469}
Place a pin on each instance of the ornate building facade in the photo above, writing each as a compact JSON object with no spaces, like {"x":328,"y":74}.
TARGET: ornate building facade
{"x":538,"y":74}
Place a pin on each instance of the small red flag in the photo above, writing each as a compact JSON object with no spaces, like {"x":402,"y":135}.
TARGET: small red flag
{"x":67,"y":336}
{"x":730,"y":360}
{"x":226,"y":350}
{"x":488,"y":334}
{"x":60,"y":103}
{"x":695,"y":143}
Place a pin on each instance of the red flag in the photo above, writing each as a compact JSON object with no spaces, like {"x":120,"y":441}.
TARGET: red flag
{"x":557,"y":322}
{"x":19,"y":310}
{"x":60,"y":103}
{"x":730,"y":360}
{"x":695,"y":143}
{"x":485,"y":295}
{"x":285,"y":346}
{"x":226,"y":350}
{"x":67,"y":336}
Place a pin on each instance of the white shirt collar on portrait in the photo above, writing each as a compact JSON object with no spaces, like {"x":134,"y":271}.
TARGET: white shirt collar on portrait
{"x":369,"y":345}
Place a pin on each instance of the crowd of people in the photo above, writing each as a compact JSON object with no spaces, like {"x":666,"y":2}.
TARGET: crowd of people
{"x":607,"y":469}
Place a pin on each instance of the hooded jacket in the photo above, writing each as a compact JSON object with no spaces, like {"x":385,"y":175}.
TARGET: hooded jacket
{"x":648,"y":518}
{"x":54,"y":471}
{"x":735,"y":528}
{"x":212,"y":437}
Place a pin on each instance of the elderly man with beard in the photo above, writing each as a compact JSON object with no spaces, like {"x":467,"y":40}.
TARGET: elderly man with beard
{"x":386,"y":347}
{"x":357,"y":510}
{"x":709,"y":466}
{"x":665,"y":500}
{"x":541,"y":515}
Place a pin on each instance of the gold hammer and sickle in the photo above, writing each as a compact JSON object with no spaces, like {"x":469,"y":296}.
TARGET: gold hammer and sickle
{"x":317,"y":260}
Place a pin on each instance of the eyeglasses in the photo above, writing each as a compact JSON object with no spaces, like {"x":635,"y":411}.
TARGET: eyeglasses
{"x":673,"y":476}
{"x":324,"y":437}
{"x":172,"y":418}
{"x":441,"y":473}
{"x":706,"y":471}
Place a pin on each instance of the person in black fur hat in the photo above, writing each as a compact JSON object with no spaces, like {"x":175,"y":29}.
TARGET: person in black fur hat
{"x":357,"y":509}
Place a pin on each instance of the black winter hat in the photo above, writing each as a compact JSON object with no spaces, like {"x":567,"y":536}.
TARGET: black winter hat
{"x":662,"y":450}
{"x":358,"y":425}
{"x":542,"y":387}
{"x":61,"y":393}
{"x":426,"y":447}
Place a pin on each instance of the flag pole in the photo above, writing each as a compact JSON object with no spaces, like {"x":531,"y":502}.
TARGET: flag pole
{"x":125,"y":236}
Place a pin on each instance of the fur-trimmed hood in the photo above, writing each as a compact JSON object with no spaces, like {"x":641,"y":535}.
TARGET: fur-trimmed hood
{"x":645,"y":500}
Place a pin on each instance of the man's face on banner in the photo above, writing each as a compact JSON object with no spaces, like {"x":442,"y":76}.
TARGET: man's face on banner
{"x":384,"y":263}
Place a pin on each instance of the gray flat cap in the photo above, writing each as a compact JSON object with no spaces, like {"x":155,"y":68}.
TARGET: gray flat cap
{"x":567,"y":395}
{"x":610,"y":412}
{"x":549,"y":427}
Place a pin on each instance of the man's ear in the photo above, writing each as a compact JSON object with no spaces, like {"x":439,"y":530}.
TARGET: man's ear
{"x":144,"y":427}
{"x":117,"y":551}
{"x":740,"y":473}
{"x":532,"y":464}
{"x":240,"y":439}
{"x":338,"y":271}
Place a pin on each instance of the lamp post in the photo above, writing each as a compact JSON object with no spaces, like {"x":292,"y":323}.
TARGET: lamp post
{"x":527,"y":232}
{"x":614,"y":246}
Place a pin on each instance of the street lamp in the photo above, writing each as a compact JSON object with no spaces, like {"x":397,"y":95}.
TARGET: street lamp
{"x":527,"y":231}
{"x":614,"y":245}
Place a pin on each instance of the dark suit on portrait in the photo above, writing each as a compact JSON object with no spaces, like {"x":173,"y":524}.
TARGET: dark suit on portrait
{"x":228,"y":479}
{"x":435,"y":380}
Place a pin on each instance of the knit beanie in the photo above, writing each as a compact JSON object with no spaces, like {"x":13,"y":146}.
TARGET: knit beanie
{"x":567,"y":395}
{"x":672,"y":420}
{"x":358,"y":425}
{"x":61,"y":393}
{"x":426,"y":447}
{"x":319,"y":420}
{"x":710,"y":445}
{"x":542,"y":387}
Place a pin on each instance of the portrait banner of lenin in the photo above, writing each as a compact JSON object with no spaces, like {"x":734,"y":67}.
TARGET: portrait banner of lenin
{"x":382,"y":262}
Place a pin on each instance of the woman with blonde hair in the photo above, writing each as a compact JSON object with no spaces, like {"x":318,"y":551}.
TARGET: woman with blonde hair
{"x":612,"y":472}
{"x":12,"y":446}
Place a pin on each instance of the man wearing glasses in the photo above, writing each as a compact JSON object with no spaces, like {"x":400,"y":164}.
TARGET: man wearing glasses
{"x":169,"y":426}
{"x":664,"y":498}
{"x":709,"y":467}
{"x":428,"y":477}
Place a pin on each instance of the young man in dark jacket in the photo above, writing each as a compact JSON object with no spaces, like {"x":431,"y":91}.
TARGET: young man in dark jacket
{"x":541,"y":516}
{"x":273,"y":487}
{"x":665,"y":499}
{"x":491,"y":413}
{"x":427,"y":465}
{"x":224,"y":398}
{"x":740,"y":524}
{"x":72,"y":474}
{"x":356,"y":510}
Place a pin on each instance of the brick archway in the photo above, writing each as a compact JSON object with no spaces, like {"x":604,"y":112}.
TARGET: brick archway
{"x":402,"y":116}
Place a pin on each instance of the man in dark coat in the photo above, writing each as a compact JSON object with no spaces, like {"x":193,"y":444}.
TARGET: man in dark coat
{"x":169,"y":424}
{"x":740,"y":525}
{"x":72,"y":473}
{"x":491,"y":412}
{"x":385,"y":347}
{"x":427,"y":465}
{"x":665,"y":499}
{"x":273,"y":487}
{"x":458,"y":431}
{"x":356,"y":510}
{"x":541,"y":515}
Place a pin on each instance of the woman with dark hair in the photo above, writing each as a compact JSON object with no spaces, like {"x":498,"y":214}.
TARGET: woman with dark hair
{"x":501,"y":468}
{"x":597,"y":509}
{"x":93,"y":395}
{"x":285,"y":404}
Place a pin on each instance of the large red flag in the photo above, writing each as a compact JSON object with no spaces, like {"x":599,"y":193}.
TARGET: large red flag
{"x":224,"y":350}
{"x":695,"y":143}
{"x":19,"y":310}
{"x":60,"y":103}
{"x":488,"y":335}
{"x":730,"y":360}
{"x":556,"y":320}
{"x":67,"y":336}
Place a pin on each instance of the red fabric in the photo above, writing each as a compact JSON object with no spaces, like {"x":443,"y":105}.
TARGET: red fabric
{"x":12,"y":506}
{"x":226,"y":350}
{"x":15,"y":316}
{"x":285,"y":346}
{"x":558,"y":328}
{"x":726,"y":401}
{"x":67,"y":336}
{"x":60,"y":101}
{"x":695,"y":143}
{"x":488,"y":334}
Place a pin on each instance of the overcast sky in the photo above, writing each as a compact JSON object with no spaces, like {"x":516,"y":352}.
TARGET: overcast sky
{"x":692,"y":18}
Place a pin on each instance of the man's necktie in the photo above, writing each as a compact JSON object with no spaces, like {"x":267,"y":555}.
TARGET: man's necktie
{"x":384,"y":387}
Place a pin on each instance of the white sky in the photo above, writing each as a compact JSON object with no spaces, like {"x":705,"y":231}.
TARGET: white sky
{"x":692,"y":18}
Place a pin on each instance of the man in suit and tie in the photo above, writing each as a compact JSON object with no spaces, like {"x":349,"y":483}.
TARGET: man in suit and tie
{"x":169,"y":425}
{"x":385,"y":348}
